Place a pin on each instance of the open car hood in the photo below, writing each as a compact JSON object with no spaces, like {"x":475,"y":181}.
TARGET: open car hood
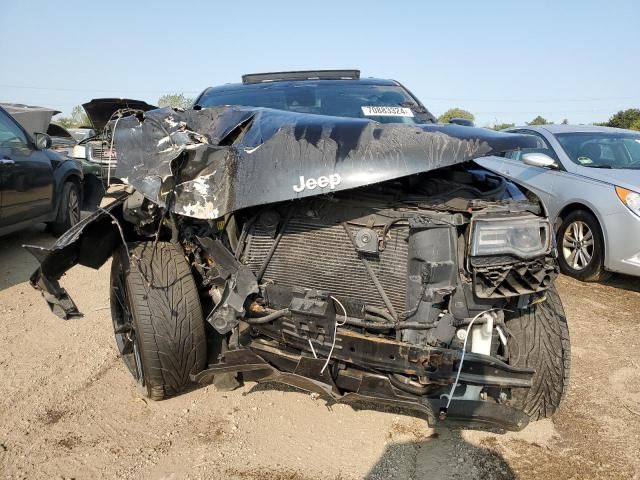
{"x":100,"y":110}
{"x":33,"y":119}
{"x":211,"y":162}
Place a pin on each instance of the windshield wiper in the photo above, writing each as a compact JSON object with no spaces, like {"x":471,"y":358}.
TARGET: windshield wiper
{"x":415,"y":108}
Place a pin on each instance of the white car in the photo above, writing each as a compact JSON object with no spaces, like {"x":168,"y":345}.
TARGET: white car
{"x":589,"y":180}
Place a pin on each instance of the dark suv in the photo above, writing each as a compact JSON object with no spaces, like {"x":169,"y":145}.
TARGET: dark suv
{"x":36,"y":184}
{"x":324,"y":233}
{"x":339,"y":93}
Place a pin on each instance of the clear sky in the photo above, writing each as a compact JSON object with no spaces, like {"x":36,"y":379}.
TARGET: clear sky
{"x":505,"y":61}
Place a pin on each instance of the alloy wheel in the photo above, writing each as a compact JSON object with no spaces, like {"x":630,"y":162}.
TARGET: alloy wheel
{"x":578,"y":245}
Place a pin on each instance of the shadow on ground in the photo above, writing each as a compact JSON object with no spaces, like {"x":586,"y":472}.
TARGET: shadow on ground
{"x":16,"y":264}
{"x":445,"y":454}
{"x":414,"y":452}
{"x":624,"y":282}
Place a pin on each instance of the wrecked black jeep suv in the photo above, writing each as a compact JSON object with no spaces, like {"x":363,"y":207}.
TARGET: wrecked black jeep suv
{"x":360,"y":260}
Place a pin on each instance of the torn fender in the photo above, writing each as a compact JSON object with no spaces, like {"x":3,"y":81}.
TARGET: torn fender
{"x":90,"y":242}
{"x":239,"y":283}
{"x":223,"y":159}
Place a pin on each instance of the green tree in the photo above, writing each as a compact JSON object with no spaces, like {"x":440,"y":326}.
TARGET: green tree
{"x":539,"y":121}
{"x":455,"y":113}
{"x":565,"y":122}
{"x":77,"y":119}
{"x":635,"y":125}
{"x":66,"y":122}
{"x":175,"y":100}
{"x":502,"y":126}
{"x":624,"y":118}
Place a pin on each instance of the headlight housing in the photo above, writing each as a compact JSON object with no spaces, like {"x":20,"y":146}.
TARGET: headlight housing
{"x":524,"y":236}
{"x":630,"y":198}
{"x":79,"y":151}
{"x":89,"y":152}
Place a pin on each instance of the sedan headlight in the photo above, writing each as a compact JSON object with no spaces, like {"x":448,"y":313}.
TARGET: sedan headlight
{"x":630,"y":198}
{"x":524,"y":237}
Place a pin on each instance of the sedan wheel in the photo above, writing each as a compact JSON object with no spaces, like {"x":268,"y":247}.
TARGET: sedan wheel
{"x":581,"y":247}
{"x":577,"y":245}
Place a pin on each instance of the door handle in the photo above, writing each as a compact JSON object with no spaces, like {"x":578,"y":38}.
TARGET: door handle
{"x":7,"y":161}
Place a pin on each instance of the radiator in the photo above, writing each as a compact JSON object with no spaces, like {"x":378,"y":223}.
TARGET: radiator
{"x":319,"y":256}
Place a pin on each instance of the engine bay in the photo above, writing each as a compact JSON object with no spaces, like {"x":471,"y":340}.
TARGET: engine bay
{"x":378,"y":279}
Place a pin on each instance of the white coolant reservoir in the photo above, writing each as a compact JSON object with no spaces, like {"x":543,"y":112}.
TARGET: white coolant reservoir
{"x":480,"y":343}
{"x":481,"y":335}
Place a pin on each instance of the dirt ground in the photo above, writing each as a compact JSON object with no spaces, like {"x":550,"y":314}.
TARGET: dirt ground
{"x":68,"y":408}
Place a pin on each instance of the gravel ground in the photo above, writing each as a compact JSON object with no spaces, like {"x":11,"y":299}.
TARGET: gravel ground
{"x":69,"y":409}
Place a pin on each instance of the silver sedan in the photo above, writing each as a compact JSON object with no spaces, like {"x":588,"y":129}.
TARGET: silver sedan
{"x":589,"y":180}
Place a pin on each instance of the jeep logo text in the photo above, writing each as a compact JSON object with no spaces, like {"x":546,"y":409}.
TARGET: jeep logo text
{"x":332,"y":181}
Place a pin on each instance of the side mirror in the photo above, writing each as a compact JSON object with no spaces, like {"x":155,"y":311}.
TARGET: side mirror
{"x":537,"y":159}
{"x":42,"y":141}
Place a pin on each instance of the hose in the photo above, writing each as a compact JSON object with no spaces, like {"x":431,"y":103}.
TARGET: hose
{"x":381,"y":312}
{"x":245,"y":231}
{"x":368,"y":324}
{"x":415,"y":326}
{"x":404,"y":383}
{"x":267,"y":318}
{"x":276,"y":242}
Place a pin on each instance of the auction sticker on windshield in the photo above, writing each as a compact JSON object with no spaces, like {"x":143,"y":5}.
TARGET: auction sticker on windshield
{"x":382,"y":111}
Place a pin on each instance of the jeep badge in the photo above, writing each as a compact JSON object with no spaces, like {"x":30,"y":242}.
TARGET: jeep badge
{"x":332,"y":181}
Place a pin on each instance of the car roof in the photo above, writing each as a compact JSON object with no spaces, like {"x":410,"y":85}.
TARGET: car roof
{"x":362,"y":81}
{"x":561,"y":128}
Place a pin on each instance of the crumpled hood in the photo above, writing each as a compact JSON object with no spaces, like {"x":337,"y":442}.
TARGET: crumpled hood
{"x":100,"y":110}
{"x":219,"y":160}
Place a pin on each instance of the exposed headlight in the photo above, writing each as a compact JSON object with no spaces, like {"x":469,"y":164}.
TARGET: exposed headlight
{"x":89,"y":153}
{"x":524,"y":237}
{"x":79,"y":151}
{"x":630,"y":199}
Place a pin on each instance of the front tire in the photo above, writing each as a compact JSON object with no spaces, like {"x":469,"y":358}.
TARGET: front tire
{"x":581,"y":247}
{"x":68,"y":211}
{"x":157,"y":318}
{"x":539,"y":339}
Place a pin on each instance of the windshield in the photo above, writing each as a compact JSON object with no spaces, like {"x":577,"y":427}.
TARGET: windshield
{"x":383,"y":103}
{"x":602,"y":149}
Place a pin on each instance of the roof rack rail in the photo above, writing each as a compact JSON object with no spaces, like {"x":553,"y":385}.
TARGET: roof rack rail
{"x":302,"y":75}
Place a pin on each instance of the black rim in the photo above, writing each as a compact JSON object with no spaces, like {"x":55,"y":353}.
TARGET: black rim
{"x":123,"y":326}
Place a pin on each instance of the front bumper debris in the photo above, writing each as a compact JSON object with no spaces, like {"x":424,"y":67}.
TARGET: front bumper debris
{"x":306,"y":373}
{"x":90,"y":243}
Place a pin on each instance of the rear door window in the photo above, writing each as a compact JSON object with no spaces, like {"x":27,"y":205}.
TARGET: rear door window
{"x":11,"y":136}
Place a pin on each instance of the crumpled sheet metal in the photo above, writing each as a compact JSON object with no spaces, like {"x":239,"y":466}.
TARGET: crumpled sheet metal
{"x":220,"y":160}
{"x":89,"y":242}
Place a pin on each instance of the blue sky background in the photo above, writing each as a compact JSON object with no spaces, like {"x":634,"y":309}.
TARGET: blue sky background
{"x":505,"y":61}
